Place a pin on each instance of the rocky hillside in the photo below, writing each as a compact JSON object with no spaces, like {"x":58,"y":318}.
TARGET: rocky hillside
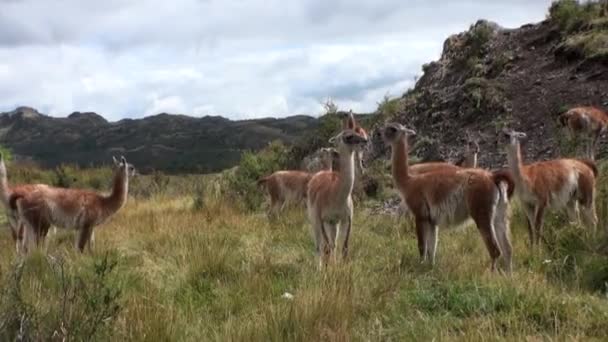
{"x":489,"y":77}
{"x":173,"y":143}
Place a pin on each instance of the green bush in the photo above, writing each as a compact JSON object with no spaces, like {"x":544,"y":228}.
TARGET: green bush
{"x":79,"y":304}
{"x":571,"y":15}
{"x":484,"y":96}
{"x":477,"y":37}
{"x":65,"y":176}
{"x":592,"y":45}
{"x":242,"y":182}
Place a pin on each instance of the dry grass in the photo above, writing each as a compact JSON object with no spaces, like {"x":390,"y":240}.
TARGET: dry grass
{"x":219,"y":274}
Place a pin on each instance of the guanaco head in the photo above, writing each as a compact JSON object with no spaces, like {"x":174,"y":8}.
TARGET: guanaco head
{"x":348,"y":141}
{"x":123,"y":167}
{"x":328,"y":155}
{"x":328,"y":152}
{"x":348,"y":119}
{"x":395,"y":132}
{"x":514,"y":136}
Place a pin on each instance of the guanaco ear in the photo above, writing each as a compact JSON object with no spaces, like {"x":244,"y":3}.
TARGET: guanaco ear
{"x":350,"y":122}
{"x":123,"y":160}
{"x":408,"y":131}
{"x":115,"y":161}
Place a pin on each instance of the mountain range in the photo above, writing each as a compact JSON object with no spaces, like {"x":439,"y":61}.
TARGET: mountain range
{"x":168,"y":142}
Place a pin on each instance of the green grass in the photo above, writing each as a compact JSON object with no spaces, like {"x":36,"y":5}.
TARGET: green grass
{"x":584,"y":28}
{"x":174,"y":273}
{"x":591,"y":45}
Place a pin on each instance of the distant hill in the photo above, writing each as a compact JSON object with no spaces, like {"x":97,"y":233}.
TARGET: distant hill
{"x":172,"y":143}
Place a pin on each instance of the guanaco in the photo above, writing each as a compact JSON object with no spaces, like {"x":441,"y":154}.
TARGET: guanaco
{"x":329,"y":200}
{"x":589,"y":123}
{"x":79,"y":209}
{"x":553,"y":184}
{"x":6,"y":192}
{"x":448,"y":197}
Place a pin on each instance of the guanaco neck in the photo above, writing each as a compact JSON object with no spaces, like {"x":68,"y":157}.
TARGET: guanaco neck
{"x":120,"y":191}
{"x":470,"y":160}
{"x":346,"y":181}
{"x":400,"y":162}
{"x":328,"y":162}
{"x":515,"y":162}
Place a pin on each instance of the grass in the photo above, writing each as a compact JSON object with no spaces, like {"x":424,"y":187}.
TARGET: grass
{"x":591,"y":45}
{"x":584,"y":26}
{"x":164,"y":271}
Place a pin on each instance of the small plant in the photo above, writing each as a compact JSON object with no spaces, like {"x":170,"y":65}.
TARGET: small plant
{"x":198,"y":198}
{"x":484,"y":96}
{"x":243,"y":181}
{"x":571,"y":15}
{"x":79,"y":305}
{"x":65,"y":176}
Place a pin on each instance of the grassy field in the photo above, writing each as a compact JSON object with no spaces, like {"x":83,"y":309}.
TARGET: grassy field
{"x":167,"y":269}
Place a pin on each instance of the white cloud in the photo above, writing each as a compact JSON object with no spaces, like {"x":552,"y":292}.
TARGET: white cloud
{"x":232,"y":57}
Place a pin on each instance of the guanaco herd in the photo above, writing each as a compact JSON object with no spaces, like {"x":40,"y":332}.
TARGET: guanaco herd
{"x":440,"y":194}
{"x":437,"y":194}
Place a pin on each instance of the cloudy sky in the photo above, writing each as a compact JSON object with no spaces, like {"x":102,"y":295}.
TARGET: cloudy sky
{"x":236,"y":58}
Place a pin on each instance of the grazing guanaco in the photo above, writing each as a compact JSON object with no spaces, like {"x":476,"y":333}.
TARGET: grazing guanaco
{"x":289,"y":187}
{"x":349,"y":122}
{"x":6,"y":192}
{"x":329,"y":203}
{"x":587,"y":122}
{"x":285,"y":187}
{"x":449,"y":197}
{"x":78,"y":209}
{"x":553,"y":184}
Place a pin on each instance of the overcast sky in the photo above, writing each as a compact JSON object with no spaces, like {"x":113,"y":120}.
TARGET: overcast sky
{"x":236,"y":58}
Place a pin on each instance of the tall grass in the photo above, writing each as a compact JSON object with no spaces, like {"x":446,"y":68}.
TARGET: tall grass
{"x":172,"y":267}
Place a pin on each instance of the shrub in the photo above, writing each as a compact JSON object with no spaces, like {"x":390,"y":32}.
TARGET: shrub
{"x":78,"y":305}
{"x":484,"y":96}
{"x":591,"y":45}
{"x":329,"y":125}
{"x":65,"y":176}
{"x":7,"y":155}
{"x":242,"y":182}
{"x":198,"y":198}
{"x":571,"y":15}
{"x":387,"y":109}
{"x":478,"y":36}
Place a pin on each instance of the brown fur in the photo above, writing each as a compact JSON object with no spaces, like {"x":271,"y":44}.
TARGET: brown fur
{"x":449,"y":196}
{"x":591,"y":165}
{"x":587,"y":122}
{"x":552,"y":184}
{"x":10,"y":195}
{"x":284,"y":187}
{"x":507,"y":177}
{"x":468,"y":160}
{"x":78,"y":209}
{"x":329,"y":202}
